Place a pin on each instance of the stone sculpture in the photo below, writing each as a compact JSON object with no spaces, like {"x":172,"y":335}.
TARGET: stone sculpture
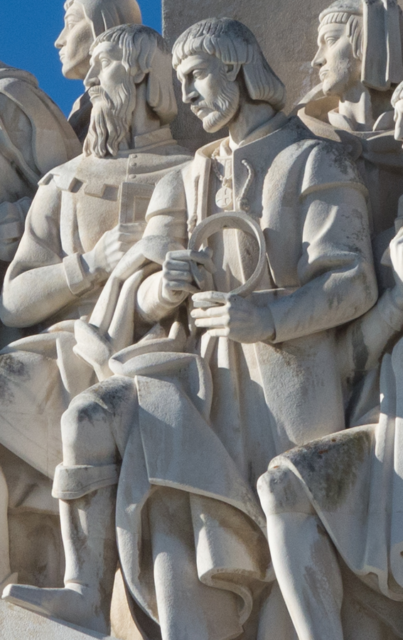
{"x":86,"y":214}
{"x":189,"y":421}
{"x":359,"y":60}
{"x":84,"y":21}
{"x":34,"y":138}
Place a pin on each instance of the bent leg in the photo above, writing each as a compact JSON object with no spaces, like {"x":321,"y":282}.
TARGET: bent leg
{"x":93,"y":430}
{"x":303,"y":557}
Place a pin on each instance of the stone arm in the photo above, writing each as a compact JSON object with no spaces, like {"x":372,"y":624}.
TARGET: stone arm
{"x":167,"y":217}
{"x":18,"y":175}
{"x":362,"y":343}
{"x":335,"y":269}
{"x":39,"y":280}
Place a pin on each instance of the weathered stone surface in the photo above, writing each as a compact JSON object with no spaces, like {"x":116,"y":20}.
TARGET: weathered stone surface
{"x":286,"y":30}
{"x":18,"y":624}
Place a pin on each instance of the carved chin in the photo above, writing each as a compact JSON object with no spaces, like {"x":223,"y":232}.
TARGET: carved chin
{"x":215,"y":121}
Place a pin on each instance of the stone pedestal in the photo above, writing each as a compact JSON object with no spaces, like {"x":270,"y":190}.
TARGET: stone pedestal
{"x":17,"y":623}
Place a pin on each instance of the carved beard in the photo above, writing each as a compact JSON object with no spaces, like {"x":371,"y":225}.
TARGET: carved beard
{"x":223,"y":107}
{"x":111,"y":118}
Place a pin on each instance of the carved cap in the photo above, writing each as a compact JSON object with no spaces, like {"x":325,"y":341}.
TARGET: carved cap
{"x":352,"y":7}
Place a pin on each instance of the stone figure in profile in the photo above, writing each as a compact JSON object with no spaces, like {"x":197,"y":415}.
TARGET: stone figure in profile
{"x":359,"y":60}
{"x":84,"y":21}
{"x":190,"y":422}
{"x":34,"y":138}
{"x":84,"y":217}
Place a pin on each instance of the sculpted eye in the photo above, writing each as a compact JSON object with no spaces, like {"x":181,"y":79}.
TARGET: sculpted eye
{"x":105,"y":62}
{"x":330,"y":41}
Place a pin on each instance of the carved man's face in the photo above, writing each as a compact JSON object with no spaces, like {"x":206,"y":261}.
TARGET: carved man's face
{"x":208,"y":86}
{"x":112,"y":91}
{"x":338,"y":68}
{"x":75,"y":42}
{"x":106,"y":70}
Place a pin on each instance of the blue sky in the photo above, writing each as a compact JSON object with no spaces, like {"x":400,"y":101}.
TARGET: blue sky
{"x":28,"y":29}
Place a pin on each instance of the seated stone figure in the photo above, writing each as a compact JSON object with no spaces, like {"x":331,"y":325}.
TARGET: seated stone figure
{"x":34,"y":138}
{"x":161,"y":460}
{"x":345,"y":491}
{"x":359,"y":60}
{"x":86,"y":214}
{"x":84,"y":21}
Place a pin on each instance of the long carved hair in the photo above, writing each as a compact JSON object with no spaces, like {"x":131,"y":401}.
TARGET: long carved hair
{"x":233,"y":43}
{"x":145,"y":50}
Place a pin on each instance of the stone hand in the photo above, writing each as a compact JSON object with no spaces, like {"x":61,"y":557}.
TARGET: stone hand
{"x":396,"y":257}
{"x":233,"y":317}
{"x":111,"y":247}
{"x":178,"y":273}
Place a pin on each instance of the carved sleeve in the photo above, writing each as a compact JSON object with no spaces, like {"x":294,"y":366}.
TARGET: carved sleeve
{"x":35,"y":285}
{"x":335,"y":269}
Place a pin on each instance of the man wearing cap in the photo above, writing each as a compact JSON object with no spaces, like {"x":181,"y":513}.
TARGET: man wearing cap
{"x":84,"y":21}
{"x":359,"y":59}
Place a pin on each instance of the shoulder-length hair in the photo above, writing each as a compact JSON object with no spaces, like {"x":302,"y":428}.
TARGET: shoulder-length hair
{"x":145,"y":49}
{"x":233,"y":43}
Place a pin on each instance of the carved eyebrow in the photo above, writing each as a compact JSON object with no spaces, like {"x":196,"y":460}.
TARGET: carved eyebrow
{"x":73,"y":13}
{"x":193,"y":67}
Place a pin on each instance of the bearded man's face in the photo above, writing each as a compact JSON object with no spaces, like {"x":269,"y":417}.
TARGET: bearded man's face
{"x":113,"y":95}
{"x":205,"y":86}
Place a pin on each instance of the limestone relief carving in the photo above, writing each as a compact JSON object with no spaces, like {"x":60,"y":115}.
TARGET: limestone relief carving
{"x":84,"y":21}
{"x":212,"y":373}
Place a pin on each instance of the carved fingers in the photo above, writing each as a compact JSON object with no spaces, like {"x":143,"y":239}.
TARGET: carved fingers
{"x":232,"y":317}
{"x":112,"y":246}
{"x":180,"y":275}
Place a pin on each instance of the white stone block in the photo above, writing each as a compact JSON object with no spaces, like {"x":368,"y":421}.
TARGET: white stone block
{"x":17,"y":623}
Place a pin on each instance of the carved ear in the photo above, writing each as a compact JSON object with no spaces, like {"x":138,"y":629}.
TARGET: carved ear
{"x":232,"y":71}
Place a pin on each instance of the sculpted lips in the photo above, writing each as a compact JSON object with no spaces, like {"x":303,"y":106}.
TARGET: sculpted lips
{"x":200,"y":109}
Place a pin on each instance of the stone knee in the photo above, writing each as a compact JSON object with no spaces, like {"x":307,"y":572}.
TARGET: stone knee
{"x":280,"y":491}
{"x":87,"y":433}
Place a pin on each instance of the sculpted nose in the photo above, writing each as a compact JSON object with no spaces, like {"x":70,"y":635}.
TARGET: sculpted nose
{"x":61,"y":40}
{"x":189,"y":95}
{"x":319,"y":60}
{"x":91,"y":79}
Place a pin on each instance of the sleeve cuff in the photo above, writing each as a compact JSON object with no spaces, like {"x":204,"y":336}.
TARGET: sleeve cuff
{"x":77,"y":280}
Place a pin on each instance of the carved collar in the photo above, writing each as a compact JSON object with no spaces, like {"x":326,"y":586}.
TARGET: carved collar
{"x":147,"y":141}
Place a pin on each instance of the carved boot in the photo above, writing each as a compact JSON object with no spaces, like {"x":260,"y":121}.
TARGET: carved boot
{"x":303,"y":557}
{"x":89,"y":539}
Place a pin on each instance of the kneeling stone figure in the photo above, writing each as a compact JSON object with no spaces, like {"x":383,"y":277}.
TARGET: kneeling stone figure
{"x":160,"y":462}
